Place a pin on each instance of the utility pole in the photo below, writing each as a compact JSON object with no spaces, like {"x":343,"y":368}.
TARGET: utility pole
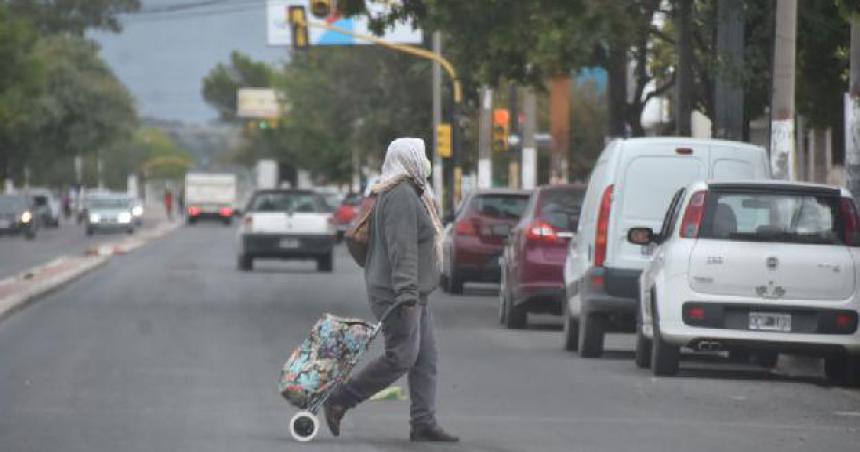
{"x":559,"y":106}
{"x":529,"y":178}
{"x":684,"y":80}
{"x":437,"y":119}
{"x":782,"y":152}
{"x":514,"y":140}
{"x":485,"y":140}
{"x":728,"y":92}
{"x":852,"y":113}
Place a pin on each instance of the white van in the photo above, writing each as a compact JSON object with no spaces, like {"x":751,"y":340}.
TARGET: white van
{"x":631,"y":185}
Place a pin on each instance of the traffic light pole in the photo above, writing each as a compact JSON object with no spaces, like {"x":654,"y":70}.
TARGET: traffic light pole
{"x":454,"y":171}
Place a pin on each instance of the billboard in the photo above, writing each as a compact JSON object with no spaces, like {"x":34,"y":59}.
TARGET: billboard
{"x":279,"y":33}
{"x":257,"y":103}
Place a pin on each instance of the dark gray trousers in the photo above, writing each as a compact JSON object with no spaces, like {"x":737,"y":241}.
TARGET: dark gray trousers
{"x":409,"y":348}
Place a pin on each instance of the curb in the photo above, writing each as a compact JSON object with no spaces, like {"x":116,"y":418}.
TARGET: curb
{"x":68,"y":269}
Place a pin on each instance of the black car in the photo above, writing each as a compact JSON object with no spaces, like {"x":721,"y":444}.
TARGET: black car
{"x":16,"y":216}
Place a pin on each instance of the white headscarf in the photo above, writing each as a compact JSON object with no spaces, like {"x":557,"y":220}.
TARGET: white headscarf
{"x":406,"y":160}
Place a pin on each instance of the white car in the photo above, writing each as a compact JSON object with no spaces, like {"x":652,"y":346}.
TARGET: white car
{"x":752,"y":267}
{"x":286,"y":224}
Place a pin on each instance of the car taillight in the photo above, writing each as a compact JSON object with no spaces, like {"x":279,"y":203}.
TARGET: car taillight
{"x":542,"y":232}
{"x":225,"y":211}
{"x":602,"y":235}
{"x":692,"y":222}
{"x":850,"y":225}
{"x":465,"y":227}
{"x":193,"y":211}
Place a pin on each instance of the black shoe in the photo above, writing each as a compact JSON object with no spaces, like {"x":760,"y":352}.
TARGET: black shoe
{"x":333,"y":415}
{"x":432,"y":434}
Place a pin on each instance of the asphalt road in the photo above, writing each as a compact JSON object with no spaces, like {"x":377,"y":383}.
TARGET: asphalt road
{"x":170,"y":348}
{"x":18,"y":254}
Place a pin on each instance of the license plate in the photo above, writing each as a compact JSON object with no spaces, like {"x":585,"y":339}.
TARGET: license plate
{"x":770,"y":321}
{"x":289,"y":243}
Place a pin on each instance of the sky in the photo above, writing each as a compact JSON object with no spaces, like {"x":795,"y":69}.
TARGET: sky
{"x":162,"y":58}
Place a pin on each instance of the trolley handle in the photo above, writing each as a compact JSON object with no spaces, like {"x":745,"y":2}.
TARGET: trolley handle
{"x":388,"y":311}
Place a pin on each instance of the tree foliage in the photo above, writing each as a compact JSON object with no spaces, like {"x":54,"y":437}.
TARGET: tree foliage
{"x":72,"y":16}
{"x":224,"y":80}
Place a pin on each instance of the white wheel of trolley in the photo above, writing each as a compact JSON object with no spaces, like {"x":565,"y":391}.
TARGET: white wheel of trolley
{"x":304,"y":426}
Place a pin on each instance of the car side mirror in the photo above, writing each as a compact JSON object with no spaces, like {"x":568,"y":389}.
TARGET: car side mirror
{"x":641,"y":236}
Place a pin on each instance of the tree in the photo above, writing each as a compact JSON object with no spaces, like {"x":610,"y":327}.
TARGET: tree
{"x":223,"y":82}
{"x":84,"y":110}
{"x":73,"y":16}
{"x":20,"y":82}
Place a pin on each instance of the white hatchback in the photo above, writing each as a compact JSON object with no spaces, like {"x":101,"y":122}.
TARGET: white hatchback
{"x":757,"y":268}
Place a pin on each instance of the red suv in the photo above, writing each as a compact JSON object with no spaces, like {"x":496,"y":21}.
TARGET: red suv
{"x":475,"y":239}
{"x":345,"y":213}
{"x":532,"y":265}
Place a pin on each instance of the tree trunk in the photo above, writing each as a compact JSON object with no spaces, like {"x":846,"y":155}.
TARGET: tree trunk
{"x":616,"y":69}
{"x":852,"y":118}
{"x":728,"y":91}
{"x":684,"y":83}
{"x":559,"y":102}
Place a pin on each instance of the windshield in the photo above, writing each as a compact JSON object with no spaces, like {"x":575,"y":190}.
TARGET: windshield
{"x":500,"y":206}
{"x":108,"y":203}
{"x":774,"y":217}
{"x":12,"y":204}
{"x":287,"y":202}
{"x":561,"y":208}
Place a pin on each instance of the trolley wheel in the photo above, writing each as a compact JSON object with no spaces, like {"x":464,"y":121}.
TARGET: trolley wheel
{"x":304,"y":426}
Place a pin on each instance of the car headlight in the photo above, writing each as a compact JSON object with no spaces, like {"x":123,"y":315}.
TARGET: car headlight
{"x":124,"y":217}
{"x":95,"y":218}
{"x":26,"y":217}
{"x":137,"y":211}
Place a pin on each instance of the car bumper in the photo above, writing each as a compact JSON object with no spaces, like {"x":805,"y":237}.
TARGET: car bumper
{"x":728,"y":321}
{"x":287,"y":245}
{"x":110,"y":226}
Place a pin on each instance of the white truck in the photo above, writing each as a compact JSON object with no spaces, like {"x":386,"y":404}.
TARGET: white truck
{"x":210,"y":196}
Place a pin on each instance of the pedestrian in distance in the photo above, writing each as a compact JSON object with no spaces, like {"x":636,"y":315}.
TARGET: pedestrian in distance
{"x":168,"y":203}
{"x":403,"y":261}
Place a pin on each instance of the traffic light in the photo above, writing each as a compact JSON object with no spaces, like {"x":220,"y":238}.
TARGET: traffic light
{"x":321,"y":9}
{"x":501,"y":129}
{"x":298,"y":19}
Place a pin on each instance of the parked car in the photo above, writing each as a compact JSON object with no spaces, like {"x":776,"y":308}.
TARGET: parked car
{"x":16,"y":216}
{"x":286,"y":224}
{"x":109,"y":213}
{"x":474,"y":239}
{"x":533,"y":259}
{"x":46,"y":206}
{"x":632,"y":184}
{"x":345,"y":213}
{"x":761,"y":267}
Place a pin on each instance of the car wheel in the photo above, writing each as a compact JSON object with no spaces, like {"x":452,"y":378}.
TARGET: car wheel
{"x":130,"y":231}
{"x":664,"y":356}
{"x":455,"y":285}
{"x":643,"y":345}
{"x":515,"y":316}
{"x":228,"y":221}
{"x":30,"y":235}
{"x":89,"y":231}
{"x":245,"y":263}
{"x":767,"y":360}
{"x":325,"y":263}
{"x":571,"y":331}
{"x":503,"y":298}
{"x":190,"y":221}
{"x":443,"y":282}
{"x":591,"y":332}
{"x":843,"y":370}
